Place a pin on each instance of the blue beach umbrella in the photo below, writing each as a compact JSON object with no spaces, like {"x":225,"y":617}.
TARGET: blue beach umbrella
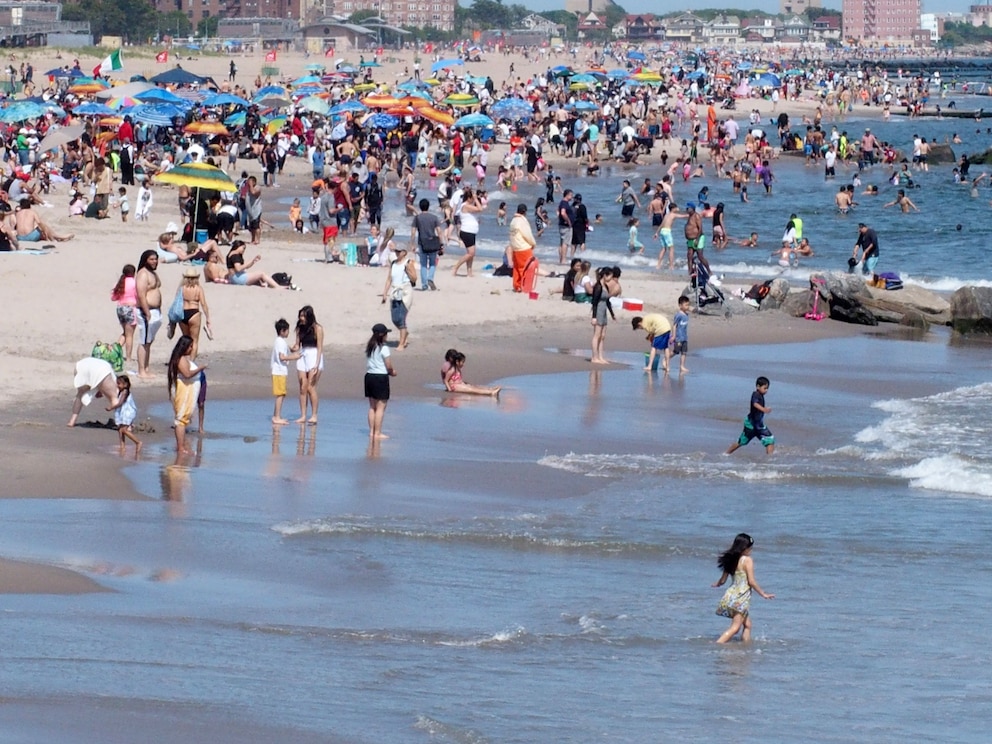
{"x":270,"y":90}
{"x":236,"y":120}
{"x":636,"y":55}
{"x":225,"y":99}
{"x":371,"y":63}
{"x":561,"y":70}
{"x":160,"y":114}
{"x":512,"y":108}
{"x":767,"y":80}
{"x":160,"y":95}
{"x":347,"y":107}
{"x":696,"y":74}
{"x":410,"y":86}
{"x":21,"y":111}
{"x":442,"y":63}
{"x":93,"y":109}
{"x":314,"y":104}
{"x":585,"y":77}
{"x":584,"y":106}
{"x":618,"y":74}
{"x":382,"y":121}
{"x":306,"y":80}
{"x":474,"y":120}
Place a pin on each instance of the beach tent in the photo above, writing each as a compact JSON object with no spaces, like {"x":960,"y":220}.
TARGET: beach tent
{"x":442,"y":63}
{"x":178,"y":76}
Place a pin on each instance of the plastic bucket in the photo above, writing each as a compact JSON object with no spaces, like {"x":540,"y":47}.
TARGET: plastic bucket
{"x":533,"y":295}
{"x":657,"y":359}
{"x":201,"y":236}
{"x":634,"y":305}
{"x":350,"y":252}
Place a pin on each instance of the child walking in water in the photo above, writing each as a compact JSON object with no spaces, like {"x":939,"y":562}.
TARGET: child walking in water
{"x":451,"y":376}
{"x":634,"y":245}
{"x":736,"y":601}
{"x":125,"y":412}
{"x":754,"y":424}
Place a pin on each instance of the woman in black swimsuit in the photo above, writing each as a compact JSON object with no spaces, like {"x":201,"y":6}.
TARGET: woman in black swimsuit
{"x":195,"y":310}
{"x":310,"y":345}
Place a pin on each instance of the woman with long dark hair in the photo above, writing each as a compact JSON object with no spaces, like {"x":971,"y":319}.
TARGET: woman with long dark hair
{"x":184,"y":387}
{"x":310,"y":345}
{"x":378,"y":370}
{"x":736,"y":601}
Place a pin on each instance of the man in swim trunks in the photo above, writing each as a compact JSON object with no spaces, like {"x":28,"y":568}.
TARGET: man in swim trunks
{"x":148,"y":287}
{"x":695,"y":240}
{"x":656,"y":209}
{"x":30,"y":228}
{"x":665,"y":234}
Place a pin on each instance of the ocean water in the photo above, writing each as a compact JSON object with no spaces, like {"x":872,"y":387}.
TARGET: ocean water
{"x":925,"y":248}
{"x":538,"y":568}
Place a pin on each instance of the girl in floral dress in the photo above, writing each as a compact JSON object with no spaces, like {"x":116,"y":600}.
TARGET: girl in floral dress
{"x":736,"y":601}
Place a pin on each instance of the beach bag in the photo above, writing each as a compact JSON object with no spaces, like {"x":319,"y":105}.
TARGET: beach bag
{"x":176,"y":308}
{"x":282,"y":279}
{"x":113,"y":354}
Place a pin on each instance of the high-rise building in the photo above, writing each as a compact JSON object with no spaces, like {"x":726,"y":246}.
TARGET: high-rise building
{"x":197,"y":10}
{"x":872,"y":21}
{"x":797,"y":7}
{"x":439,"y":14}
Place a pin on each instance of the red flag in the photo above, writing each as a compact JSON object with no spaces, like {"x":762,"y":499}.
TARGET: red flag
{"x":428,"y":48}
{"x":329,"y":52}
{"x":162,"y":56}
{"x":270,"y":56}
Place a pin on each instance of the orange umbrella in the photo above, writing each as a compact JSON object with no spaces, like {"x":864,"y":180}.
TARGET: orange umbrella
{"x":440,"y":117}
{"x":401,"y":111}
{"x":86,"y":88}
{"x":381,"y":101}
{"x":414,"y":102}
{"x":206,"y":127}
{"x":111,"y":121}
{"x":104,"y":137}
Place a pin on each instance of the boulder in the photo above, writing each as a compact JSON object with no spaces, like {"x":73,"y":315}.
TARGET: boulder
{"x":798,"y":303}
{"x":844,"y":294}
{"x":737,"y":306}
{"x":912,"y":300}
{"x":856,"y":313}
{"x":941,"y":154}
{"x":971,"y":310}
{"x":777,"y":292}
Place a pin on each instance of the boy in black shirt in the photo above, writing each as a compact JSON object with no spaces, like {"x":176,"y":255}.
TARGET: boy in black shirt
{"x":754,"y":424}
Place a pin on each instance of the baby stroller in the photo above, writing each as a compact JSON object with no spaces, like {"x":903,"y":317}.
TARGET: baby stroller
{"x":699,"y":279}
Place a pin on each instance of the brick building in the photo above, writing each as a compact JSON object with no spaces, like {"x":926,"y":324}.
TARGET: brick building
{"x":438,"y":14}
{"x":871,"y":21}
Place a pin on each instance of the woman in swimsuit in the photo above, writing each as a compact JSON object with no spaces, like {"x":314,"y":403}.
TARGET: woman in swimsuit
{"x":195,"y":310}
{"x":310,"y":345}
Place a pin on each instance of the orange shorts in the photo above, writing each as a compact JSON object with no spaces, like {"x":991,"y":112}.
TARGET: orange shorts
{"x":330,"y":233}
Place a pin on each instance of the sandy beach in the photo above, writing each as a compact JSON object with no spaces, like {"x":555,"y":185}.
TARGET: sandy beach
{"x":58,"y":305}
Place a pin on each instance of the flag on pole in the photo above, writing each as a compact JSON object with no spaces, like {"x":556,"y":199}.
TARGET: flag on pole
{"x":112,"y":63}
{"x":162,"y":56}
{"x":270,"y":56}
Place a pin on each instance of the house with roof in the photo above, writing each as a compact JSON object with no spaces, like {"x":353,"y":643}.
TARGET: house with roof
{"x":537,"y":22}
{"x":686,"y":27}
{"x":723,"y":30}
{"x":591,"y":24}
{"x":793,"y":30}
{"x":642,"y":27}
{"x":826,"y":28}
{"x":758,"y":30}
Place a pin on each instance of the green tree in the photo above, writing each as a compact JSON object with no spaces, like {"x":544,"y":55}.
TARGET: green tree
{"x":174,"y":23}
{"x":132,"y":20}
{"x":207,"y":28}
{"x":362,"y":15}
{"x":569,"y":20}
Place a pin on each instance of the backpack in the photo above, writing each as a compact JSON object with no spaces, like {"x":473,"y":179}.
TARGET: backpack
{"x":394,"y":140}
{"x":758,"y":292}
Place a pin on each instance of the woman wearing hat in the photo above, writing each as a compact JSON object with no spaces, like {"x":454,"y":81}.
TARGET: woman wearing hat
{"x":378,"y":370}
{"x":196,"y":314}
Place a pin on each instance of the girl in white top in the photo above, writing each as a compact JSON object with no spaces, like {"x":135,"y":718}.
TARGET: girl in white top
{"x":468,"y":230}
{"x":378,"y":370}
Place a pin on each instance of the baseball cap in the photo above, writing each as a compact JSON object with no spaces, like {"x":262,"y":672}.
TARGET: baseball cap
{"x":379,"y":328}
{"x":690,"y":205}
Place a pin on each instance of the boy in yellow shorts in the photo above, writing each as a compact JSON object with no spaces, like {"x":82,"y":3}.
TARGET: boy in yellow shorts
{"x":280,"y":356}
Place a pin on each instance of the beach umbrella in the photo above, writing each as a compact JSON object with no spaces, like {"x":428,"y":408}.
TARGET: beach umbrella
{"x":104,"y":137}
{"x":380,"y":101}
{"x":414,"y":101}
{"x":348,"y":107}
{"x":767,"y":80}
{"x":402,"y":111}
{"x":584,"y":77}
{"x":743,"y":66}
{"x":364,"y":87}
{"x":462,"y":99}
{"x":178,"y":76}
{"x":121,"y":102}
{"x":636,"y":55}
{"x":412,"y":85}
{"x":579,"y":86}
{"x":618,"y":74}
{"x":371,"y":63}
{"x":225,"y":99}
{"x":160,"y":95}
{"x":584,"y":106}
{"x":21,"y":111}
{"x":438,"y":117}
{"x":236,"y":120}
{"x":59,"y":72}
{"x":85,"y":89}
{"x":52,"y":108}
{"x":61,"y":136}
{"x":475,"y":79}
{"x":442,"y":63}
{"x":274,"y":125}
{"x":381,"y":121}
{"x":647,"y":77}
{"x":270,"y":90}
{"x":111,"y":121}
{"x":347,"y":68}
{"x":206,"y":127}
{"x":794,"y":72}
{"x":91,"y":108}
{"x":198,"y":176}
{"x":314,"y":104}
{"x":696,"y":74}
{"x":160,"y":114}
{"x":432,"y":82}
{"x":314,"y":67}
{"x":306,"y":80}
{"x":474,"y":120}
{"x":125,"y":89}
{"x":512,"y":108}
{"x":561,"y":71}
{"x":272,"y":102}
